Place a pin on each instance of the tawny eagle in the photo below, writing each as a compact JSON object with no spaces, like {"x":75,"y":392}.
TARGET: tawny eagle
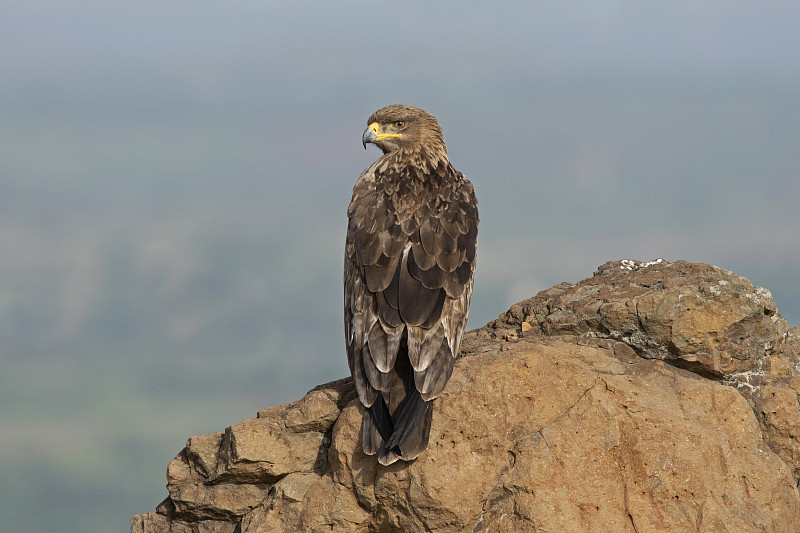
{"x":408,"y":272}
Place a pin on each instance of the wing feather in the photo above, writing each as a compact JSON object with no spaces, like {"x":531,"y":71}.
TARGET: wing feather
{"x":383,"y":348}
{"x":378,"y":380}
{"x":417,"y":302}
{"x":436,"y":313}
{"x":368,"y":246}
{"x":389,"y":315}
{"x":455,"y":282}
{"x":392,"y":244}
{"x":380,"y":273}
{"x":428,"y":232}
{"x":433,"y":277}
{"x":450,"y":262}
{"x":391,"y":291}
{"x":421,"y":258}
{"x":366,"y":392}
{"x":423,"y":344}
{"x":430,"y":381}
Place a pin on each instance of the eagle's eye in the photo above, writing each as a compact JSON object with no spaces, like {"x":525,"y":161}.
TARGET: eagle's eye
{"x":398,"y":124}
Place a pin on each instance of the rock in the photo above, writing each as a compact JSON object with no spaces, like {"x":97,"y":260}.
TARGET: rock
{"x":156,"y":523}
{"x":583,"y":443}
{"x":261,"y":450}
{"x":306,"y":502}
{"x":777,"y":408}
{"x":699,"y":317}
{"x":194,"y":495}
{"x":612,"y":410}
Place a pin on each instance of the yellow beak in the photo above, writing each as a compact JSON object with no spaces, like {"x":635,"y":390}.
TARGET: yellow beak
{"x":374,"y":134}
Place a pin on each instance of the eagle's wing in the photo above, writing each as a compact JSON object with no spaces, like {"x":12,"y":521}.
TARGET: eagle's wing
{"x":408,"y":282}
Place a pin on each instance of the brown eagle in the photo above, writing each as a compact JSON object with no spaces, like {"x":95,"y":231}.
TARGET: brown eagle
{"x":408,"y":272}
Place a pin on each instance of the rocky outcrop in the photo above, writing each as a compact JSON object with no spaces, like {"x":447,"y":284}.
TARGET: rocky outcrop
{"x":651,"y":397}
{"x":698,"y":317}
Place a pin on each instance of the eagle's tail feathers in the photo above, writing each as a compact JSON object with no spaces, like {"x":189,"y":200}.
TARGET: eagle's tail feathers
{"x":410,"y":415}
{"x":417,"y":439}
{"x":370,"y":437}
{"x":382,"y":420}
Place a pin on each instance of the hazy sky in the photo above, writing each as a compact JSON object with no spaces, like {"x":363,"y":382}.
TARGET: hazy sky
{"x":174,"y":178}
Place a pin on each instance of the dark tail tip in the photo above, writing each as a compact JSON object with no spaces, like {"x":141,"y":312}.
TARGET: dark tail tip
{"x":379,"y":413}
{"x":410,"y":412}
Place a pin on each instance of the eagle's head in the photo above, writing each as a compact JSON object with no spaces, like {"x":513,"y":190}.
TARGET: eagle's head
{"x":402,"y":128}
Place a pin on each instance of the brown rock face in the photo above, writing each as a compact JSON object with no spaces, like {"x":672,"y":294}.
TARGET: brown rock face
{"x":564,"y":415}
{"x":699,"y":317}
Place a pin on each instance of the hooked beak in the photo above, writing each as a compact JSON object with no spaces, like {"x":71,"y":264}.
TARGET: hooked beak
{"x":374,"y":134}
{"x":370,"y":134}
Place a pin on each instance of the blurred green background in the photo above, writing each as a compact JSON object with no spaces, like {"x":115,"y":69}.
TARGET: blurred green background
{"x":174,"y":178}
